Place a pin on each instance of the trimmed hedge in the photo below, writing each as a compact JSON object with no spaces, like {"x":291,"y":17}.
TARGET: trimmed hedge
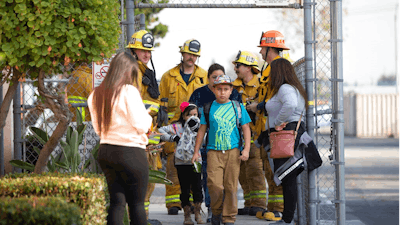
{"x":85,"y":190}
{"x":34,"y":210}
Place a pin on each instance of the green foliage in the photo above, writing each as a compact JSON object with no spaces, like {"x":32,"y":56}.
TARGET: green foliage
{"x":87,"y":191}
{"x":159,"y":177}
{"x":43,"y":33}
{"x":159,"y":30}
{"x":92,"y":162}
{"x":34,"y":210}
{"x":42,"y":138}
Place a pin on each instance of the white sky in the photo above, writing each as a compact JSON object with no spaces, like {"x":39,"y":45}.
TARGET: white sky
{"x":368,"y":29}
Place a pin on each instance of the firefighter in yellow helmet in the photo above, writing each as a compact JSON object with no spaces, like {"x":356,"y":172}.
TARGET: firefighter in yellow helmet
{"x":141,"y":45}
{"x":78,"y":90}
{"x":272,"y":43}
{"x":177,"y":84}
{"x":251,"y":176}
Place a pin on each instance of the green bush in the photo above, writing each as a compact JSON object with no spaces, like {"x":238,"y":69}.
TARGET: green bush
{"x":88,"y":191}
{"x":34,"y":210}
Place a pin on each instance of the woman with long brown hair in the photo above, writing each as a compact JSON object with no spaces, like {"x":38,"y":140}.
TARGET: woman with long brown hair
{"x":285,"y":108}
{"x":121,"y":120}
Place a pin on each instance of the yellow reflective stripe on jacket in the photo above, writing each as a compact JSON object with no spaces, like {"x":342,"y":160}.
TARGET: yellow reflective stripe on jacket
{"x":153,"y":106}
{"x":275,"y":198}
{"x":154,"y":139}
{"x":246,"y":197}
{"x":171,"y":199}
{"x":171,"y":115}
{"x":78,"y":99}
{"x":258,"y":194}
{"x":146,"y":206}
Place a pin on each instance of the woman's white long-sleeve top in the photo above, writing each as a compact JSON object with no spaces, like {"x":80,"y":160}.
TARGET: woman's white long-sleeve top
{"x":130,"y":120}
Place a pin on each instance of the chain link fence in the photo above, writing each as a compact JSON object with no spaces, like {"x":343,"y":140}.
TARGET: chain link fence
{"x":79,"y":85}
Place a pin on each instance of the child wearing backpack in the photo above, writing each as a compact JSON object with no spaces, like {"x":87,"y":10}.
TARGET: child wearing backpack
{"x":184,"y":132}
{"x":225,"y":120}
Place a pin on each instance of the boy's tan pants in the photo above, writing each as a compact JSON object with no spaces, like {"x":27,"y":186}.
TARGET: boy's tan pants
{"x":223,"y":174}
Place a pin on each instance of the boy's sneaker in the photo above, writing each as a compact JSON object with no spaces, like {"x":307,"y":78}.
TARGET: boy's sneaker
{"x":253,"y":210}
{"x":273,"y":216}
{"x":281,"y":222}
{"x":216,"y":219}
{"x":243,"y":211}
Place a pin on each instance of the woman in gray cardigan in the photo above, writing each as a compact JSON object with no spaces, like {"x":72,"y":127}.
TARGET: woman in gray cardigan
{"x":284,"y":111}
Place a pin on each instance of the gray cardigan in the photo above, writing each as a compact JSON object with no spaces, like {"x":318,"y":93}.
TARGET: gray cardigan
{"x":285,"y":106}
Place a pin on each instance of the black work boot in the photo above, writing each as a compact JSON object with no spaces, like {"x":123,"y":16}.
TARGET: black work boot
{"x":243,"y":211}
{"x":253,"y":210}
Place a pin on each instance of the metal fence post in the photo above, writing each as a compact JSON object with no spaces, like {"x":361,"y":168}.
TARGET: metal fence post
{"x":338,"y":120}
{"x":130,"y":19}
{"x":17,"y":126}
{"x":142,"y":21}
{"x":308,"y":42}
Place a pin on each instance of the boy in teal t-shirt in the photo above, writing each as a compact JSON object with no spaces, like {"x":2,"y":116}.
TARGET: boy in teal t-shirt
{"x":223,"y":156}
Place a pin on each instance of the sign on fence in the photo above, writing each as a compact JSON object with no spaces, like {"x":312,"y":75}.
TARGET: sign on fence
{"x":99,"y":71}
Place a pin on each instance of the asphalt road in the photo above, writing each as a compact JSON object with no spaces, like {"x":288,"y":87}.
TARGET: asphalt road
{"x":371,"y":182}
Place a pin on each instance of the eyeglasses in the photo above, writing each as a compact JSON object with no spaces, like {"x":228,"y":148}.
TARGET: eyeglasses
{"x":237,"y":65}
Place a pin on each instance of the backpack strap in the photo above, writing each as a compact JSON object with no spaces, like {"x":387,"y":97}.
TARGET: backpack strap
{"x":238,"y":112}
{"x":206,"y":111}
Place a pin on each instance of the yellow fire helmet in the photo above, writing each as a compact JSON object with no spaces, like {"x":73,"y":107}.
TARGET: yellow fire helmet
{"x":191,"y":46}
{"x":142,"y":40}
{"x":247,"y":58}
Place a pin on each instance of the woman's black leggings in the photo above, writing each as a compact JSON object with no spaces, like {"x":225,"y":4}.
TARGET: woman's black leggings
{"x":127,"y":173}
{"x":289,"y":183}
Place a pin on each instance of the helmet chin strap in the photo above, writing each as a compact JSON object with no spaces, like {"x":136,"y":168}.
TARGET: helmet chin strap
{"x":152,"y":65}
{"x":266,"y":54}
{"x":134,"y":54}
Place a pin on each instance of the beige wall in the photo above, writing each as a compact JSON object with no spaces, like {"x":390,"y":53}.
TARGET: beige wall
{"x":371,"y":115}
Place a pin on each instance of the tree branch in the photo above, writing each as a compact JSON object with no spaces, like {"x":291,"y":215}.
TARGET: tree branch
{"x":61,"y":113}
{"x":5,"y":106}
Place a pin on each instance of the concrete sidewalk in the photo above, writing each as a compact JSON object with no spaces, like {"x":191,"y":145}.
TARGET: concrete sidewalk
{"x":159,"y":212}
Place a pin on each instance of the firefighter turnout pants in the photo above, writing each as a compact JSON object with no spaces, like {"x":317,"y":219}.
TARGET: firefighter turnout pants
{"x":275,"y":193}
{"x":152,"y":159}
{"x":252,"y":180}
{"x":172,"y":192}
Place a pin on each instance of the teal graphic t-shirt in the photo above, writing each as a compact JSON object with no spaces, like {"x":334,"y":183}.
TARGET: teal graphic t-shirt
{"x":223,"y":133}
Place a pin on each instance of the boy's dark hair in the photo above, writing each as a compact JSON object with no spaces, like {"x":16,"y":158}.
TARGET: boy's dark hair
{"x":215,"y":67}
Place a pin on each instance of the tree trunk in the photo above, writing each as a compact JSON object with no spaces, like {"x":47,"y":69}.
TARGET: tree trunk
{"x":5,"y":106}
{"x":55,"y":102}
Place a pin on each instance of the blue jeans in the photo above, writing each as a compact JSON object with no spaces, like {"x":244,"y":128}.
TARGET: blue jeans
{"x":204,"y":173}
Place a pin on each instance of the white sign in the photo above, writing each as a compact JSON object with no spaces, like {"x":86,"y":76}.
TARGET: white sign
{"x":272,"y":2}
{"x":99,"y":72}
